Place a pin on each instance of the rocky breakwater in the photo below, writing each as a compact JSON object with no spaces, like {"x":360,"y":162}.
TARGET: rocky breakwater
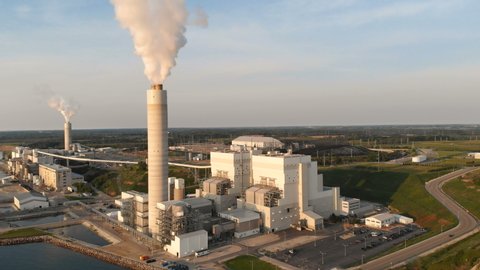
{"x":89,"y":251}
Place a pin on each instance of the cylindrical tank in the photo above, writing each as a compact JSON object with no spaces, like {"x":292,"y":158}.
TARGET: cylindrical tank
{"x":157,"y":125}
{"x":179,"y":191}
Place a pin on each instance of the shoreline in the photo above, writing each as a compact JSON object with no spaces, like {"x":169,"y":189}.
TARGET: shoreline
{"x":76,"y":247}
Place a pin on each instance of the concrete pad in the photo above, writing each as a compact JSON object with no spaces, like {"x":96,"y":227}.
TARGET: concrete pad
{"x":293,"y":242}
{"x":259,"y":240}
{"x":218,"y":252}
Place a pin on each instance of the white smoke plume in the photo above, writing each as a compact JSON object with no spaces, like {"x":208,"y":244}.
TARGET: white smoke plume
{"x":199,"y":18}
{"x":157,"y":28}
{"x":66,"y":108}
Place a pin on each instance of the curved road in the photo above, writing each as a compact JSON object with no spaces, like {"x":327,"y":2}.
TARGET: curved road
{"x":467,"y":223}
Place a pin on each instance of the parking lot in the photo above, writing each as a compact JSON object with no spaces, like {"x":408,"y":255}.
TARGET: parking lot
{"x":357,"y":245}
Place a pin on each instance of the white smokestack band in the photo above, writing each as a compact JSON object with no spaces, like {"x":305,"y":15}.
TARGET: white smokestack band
{"x":67,"y":127}
{"x":157,"y":122}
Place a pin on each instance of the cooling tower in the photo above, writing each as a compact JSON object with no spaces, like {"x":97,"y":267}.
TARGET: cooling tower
{"x":157,"y":125}
{"x":67,"y":127}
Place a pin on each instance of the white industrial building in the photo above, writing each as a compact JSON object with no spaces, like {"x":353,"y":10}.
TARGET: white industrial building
{"x":350,"y":205}
{"x":255,"y":142}
{"x":419,"y":158}
{"x":235,"y":166}
{"x":386,"y":219}
{"x":475,"y":155}
{"x":55,"y":176}
{"x":134,"y":210}
{"x":187,"y":244}
{"x":29,"y":200}
{"x":247,"y":222}
{"x":284,"y":188}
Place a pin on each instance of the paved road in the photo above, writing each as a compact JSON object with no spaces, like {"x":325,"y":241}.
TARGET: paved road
{"x":467,"y":223}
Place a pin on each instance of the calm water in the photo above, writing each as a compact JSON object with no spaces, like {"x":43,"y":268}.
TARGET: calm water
{"x":82,"y":233}
{"x":43,"y":256}
{"x":38,"y":221}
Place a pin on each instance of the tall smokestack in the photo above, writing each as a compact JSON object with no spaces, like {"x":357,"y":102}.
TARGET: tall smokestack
{"x":67,"y":127}
{"x":157,"y":124}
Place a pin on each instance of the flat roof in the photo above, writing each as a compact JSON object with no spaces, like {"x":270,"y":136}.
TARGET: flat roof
{"x":242,"y":215}
{"x":313,"y":215}
{"x":54,"y":167}
{"x":382,"y":216}
{"x":197,"y":202}
{"x":192,"y":234}
{"x":29,"y":196}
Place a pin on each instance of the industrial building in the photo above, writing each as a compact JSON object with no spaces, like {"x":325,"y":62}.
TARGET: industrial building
{"x":180,"y":220}
{"x":187,"y":244}
{"x":30,"y":200}
{"x":217,"y":189}
{"x":56,"y":176}
{"x":134,"y":210}
{"x":235,"y":166}
{"x":247,"y":223}
{"x":386,"y":219}
{"x":284,"y":188}
{"x":350,"y":205}
{"x":419,"y":158}
{"x":255,"y":142}
{"x":474,"y":155}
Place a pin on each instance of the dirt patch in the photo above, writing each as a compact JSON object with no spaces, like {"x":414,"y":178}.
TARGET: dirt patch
{"x":427,"y":220}
{"x":467,"y":180}
{"x":444,"y":222}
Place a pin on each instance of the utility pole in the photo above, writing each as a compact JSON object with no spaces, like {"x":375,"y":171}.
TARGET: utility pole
{"x":345,"y":249}
{"x":378,"y":160}
{"x":322,"y":253}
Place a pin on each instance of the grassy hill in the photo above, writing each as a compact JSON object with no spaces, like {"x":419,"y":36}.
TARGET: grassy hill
{"x":399,"y":186}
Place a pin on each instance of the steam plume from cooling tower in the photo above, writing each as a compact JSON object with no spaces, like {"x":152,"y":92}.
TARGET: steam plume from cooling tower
{"x":157,"y":28}
{"x":66,"y":108}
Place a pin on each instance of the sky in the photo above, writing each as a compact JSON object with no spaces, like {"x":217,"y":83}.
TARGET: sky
{"x":258,"y":63}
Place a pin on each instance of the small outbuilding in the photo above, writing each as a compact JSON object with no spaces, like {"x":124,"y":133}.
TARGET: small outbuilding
{"x":30,"y":200}
{"x":386,"y":219}
{"x":247,"y":222}
{"x":188,"y":243}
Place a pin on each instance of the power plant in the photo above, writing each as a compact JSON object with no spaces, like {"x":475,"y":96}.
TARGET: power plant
{"x":157,"y":128}
{"x":67,"y":130}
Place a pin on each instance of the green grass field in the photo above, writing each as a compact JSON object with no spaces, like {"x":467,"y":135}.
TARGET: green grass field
{"x":466,"y":191}
{"x":465,"y":146}
{"x":246,"y":262}
{"x":22,"y":233}
{"x":465,"y":254}
{"x":135,"y":178}
{"x":462,"y":255}
{"x":399,"y":186}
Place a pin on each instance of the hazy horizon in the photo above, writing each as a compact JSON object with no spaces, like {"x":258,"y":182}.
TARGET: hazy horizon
{"x":275,"y":63}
